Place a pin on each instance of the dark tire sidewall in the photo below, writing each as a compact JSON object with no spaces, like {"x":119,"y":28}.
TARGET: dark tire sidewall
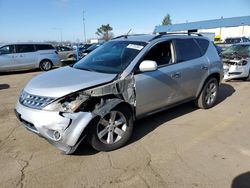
{"x":42,"y":67}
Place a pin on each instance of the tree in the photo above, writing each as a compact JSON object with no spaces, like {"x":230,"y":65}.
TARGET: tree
{"x":167,"y":20}
{"x":105,"y":32}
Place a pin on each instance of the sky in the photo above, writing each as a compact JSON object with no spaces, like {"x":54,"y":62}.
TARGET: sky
{"x":47,"y":20}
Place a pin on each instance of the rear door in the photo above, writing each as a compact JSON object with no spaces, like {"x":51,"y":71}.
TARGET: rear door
{"x":26,"y":55}
{"x":192,"y":65}
{"x":7,"y":58}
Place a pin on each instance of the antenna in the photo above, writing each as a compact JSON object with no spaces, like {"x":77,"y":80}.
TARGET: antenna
{"x":126,"y":36}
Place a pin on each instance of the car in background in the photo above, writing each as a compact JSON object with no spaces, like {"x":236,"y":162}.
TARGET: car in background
{"x":85,"y":52}
{"x":23,"y":56}
{"x":236,"y":61}
{"x":125,"y":79}
{"x":66,"y":53}
{"x":232,"y":40}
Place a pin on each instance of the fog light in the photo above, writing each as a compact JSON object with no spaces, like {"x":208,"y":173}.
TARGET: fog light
{"x":57,"y":135}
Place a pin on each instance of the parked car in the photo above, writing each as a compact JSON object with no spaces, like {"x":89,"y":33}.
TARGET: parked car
{"x":236,"y":62}
{"x":85,"y":52}
{"x":125,"y":79}
{"x":232,"y":40}
{"x":66,"y":53}
{"x":28,"y":56}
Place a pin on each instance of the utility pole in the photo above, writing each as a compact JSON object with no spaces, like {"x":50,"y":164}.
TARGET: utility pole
{"x":84,"y":31}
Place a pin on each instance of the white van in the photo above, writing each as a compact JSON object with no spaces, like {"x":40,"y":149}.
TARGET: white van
{"x":28,"y":56}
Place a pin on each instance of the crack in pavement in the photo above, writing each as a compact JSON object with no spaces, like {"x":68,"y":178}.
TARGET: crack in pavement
{"x":26,"y":164}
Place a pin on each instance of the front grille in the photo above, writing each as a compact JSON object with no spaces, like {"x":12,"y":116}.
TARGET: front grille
{"x":34,"y":101}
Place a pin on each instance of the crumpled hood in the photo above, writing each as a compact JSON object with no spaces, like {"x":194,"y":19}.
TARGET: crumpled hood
{"x":65,"y":80}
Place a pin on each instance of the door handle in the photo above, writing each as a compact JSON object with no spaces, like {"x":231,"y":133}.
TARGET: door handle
{"x":204,"y":67}
{"x":176,"y":75}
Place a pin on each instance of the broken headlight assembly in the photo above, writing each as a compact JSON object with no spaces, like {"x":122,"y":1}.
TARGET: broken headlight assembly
{"x":243,"y":62}
{"x":69,"y":103}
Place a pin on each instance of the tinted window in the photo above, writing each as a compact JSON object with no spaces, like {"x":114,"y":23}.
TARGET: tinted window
{"x":203,"y":44}
{"x":160,"y":53}
{"x":7,"y":49}
{"x":64,"y":49}
{"x":44,"y":47}
{"x":232,"y":40}
{"x":186,"y":49}
{"x":24,"y":48}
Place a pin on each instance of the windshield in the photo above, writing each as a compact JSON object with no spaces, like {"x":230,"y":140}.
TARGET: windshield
{"x":238,"y":49}
{"x":94,"y":46}
{"x":112,"y":57}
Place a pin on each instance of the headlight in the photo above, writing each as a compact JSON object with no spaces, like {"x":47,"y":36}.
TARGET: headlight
{"x":67,"y":104}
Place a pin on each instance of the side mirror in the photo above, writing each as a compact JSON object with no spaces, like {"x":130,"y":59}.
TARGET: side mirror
{"x":147,"y":66}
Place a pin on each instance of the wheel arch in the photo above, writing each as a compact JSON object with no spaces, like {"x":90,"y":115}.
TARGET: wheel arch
{"x":215,"y":75}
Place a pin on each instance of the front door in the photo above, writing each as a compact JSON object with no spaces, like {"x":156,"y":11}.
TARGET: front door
{"x":8,"y":58}
{"x":159,"y":88}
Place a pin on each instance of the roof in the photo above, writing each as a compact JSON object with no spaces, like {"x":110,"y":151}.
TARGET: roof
{"x":207,"y":24}
{"x":149,"y":38}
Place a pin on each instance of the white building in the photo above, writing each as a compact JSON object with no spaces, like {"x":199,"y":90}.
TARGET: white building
{"x":224,"y":27}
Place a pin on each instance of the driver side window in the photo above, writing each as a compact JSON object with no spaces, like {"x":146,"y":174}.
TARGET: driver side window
{"x":161,"y":54}
{"x":7,"y":49}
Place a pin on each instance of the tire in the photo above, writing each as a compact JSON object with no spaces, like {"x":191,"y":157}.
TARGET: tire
{"x":73,"y":57}
{"x":113,"y":130}
{"x":46,"y":65}
{"x":208,"y":95}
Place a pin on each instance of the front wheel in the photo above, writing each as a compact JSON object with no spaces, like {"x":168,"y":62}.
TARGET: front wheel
{"x":113,"y":130}
{"x":45,"y":65}
{"x":208,"y":95}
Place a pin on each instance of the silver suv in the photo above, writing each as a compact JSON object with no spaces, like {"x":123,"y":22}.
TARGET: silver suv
{"x":28,"y":56}
{"x":125,"y":79}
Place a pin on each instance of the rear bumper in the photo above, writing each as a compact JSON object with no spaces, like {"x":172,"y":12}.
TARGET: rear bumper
{"x":63,"y":130}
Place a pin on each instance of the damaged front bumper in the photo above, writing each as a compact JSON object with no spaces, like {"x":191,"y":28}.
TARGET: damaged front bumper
{"x":63,"y":130}
{"x":234,"y":69}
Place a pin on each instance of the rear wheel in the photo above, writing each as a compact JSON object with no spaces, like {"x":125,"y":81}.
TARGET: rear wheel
{"x":208,"y":95}
{"x":45,"y":65}
{"x":113,"y":130}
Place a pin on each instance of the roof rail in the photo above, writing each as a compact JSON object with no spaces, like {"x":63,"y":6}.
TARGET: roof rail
{"x":126,"y":36}
{"x":176,"y":33}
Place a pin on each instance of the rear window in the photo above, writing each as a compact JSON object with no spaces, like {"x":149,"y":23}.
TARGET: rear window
{"x":24,"y":48}
{"x":187,"y":49}
{"x":232,"y":40}
{"x":203,"y":44}
{"x":44,"y":47}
